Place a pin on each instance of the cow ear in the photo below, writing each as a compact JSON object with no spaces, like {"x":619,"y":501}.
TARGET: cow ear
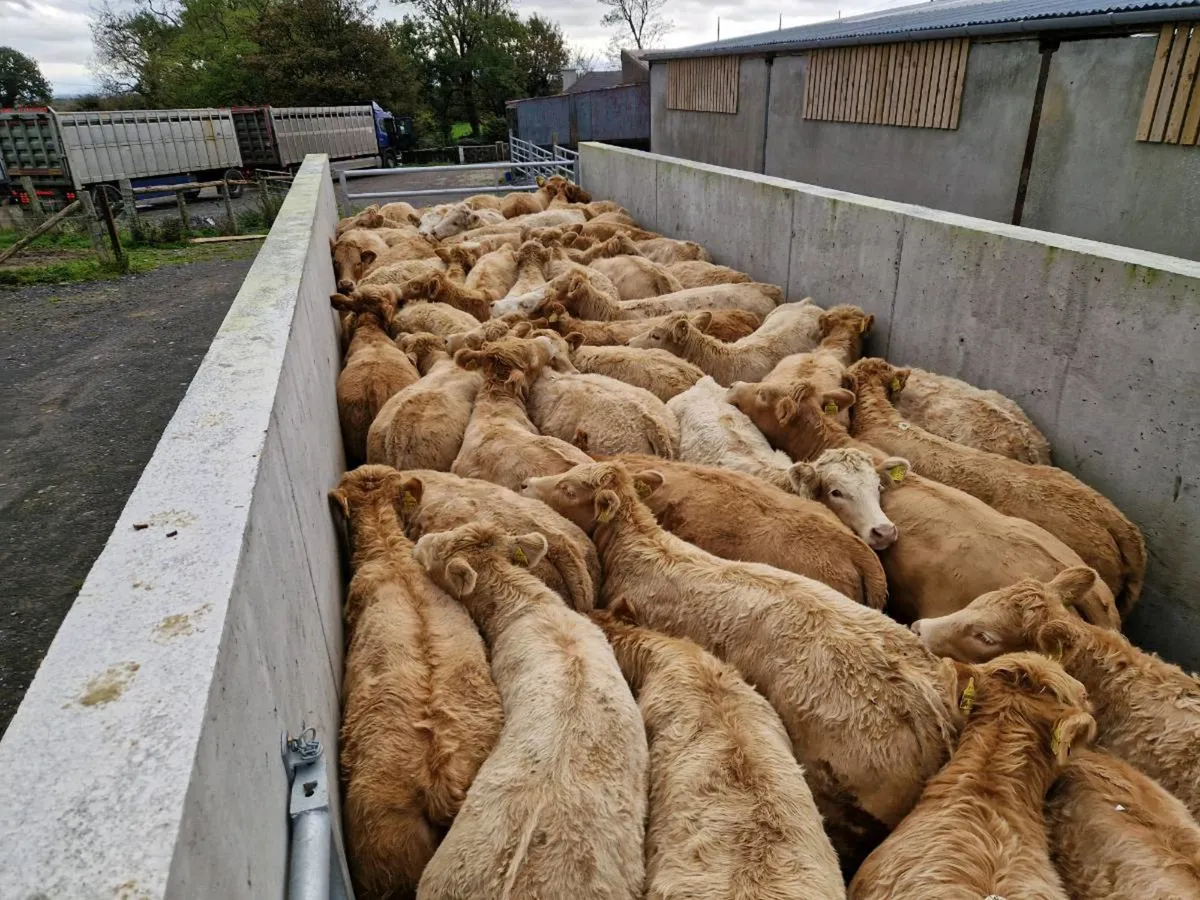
{"x":408,"y":495}
{"x":785,"y":410}
{"x":840,"y":399}
{"x":575,"y":340}
{"x":646,"y":483}
{"x":866,"y":324}
{"x":342,"y":302}
{"x":703,"y":320}
{"x":679,"y":331}
{"x":805,"y":481}
{"x":898,"y":382}
{"x":540,"y":181}
{"x":432,"y":287}
{"x":332,"y":243}
{"x":1054,"y":637}
{"x":460,"y":577}
{"x":1070,"y":733}
{"x":367,"y":257}
{"x":339,"y":505}
{"x":893,"y":470}
{"x":606,"y":505}
{"x":529,"y":549}
{"x":1072,"y":584}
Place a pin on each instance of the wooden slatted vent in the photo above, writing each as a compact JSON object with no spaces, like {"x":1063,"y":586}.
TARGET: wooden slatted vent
{"x":917,"y":84}
{"x":1171,"y":110}
{"x":704,"y":84}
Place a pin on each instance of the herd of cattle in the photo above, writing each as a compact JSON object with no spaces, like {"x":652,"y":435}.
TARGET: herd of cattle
{"x":659,"y":589}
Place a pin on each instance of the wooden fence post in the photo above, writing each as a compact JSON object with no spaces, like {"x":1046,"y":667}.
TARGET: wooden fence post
{"x":224,"y":190}
{"x":35,"y":202}
{"x":111,"y":224}
{"x":128,"y":203}
{"x":40,"y":230}
{"x":95,"y":231}
{"x":181,"y":205}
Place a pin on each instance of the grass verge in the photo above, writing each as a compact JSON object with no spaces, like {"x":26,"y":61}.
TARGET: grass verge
{"x":71,"y":268}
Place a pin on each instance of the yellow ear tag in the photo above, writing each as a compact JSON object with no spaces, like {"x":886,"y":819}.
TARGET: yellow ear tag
{"x":553,"y":317}
{"x":831,"y":409}
{"x":968,"y":696}
{"x":643,"y":489}
{"x":1056,"y":740}
{"x":896,"y":473}
{"x":605,"y":516}
{"x":408,"y":503}
{"x":896,"y":384}
{"x":519,"y":557}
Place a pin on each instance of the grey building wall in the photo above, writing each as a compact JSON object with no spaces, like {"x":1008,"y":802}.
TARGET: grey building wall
{"x":972,"y":170}
{"x":1090,"y":177}
{"x":723,"y":139}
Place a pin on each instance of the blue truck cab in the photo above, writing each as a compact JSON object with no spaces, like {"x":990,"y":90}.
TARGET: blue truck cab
{"x":394,"y":135}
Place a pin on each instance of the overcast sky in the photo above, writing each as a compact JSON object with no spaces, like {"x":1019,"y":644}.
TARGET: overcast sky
{"x":56,"y":34}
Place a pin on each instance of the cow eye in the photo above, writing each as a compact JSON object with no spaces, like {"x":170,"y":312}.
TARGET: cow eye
{"x":984,"y":638}
{"x":835,"y":493}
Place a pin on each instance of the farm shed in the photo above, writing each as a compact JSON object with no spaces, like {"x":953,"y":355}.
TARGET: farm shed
{"x":1069,"y":116}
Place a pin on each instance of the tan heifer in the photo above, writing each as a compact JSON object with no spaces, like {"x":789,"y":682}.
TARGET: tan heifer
{"x":723,"y":324}
{"x":731,"y":817}
{"x":1148,"y":710}
{"x":1077,"y":515}
{"x":522,"y":203}
{"x":374,"y":370}
{"x":602,"y":415}
{"x":657,"y":371}
{"x":666,"y":251}
{"x":353,"y":253}
{"x":637,"y":277}
{"x":370,"y":218}
{"x":435,"y":287}
{"x":558,"y":810}
{"x":422,"y":426}
{"x":755,"y":297}
{"x":978,"y":830}
{"x":570,"y":567}
{"x":698,"y":273}
{"x":740,"y":517}
{"x":603,"y":230}
{"x":971,"y":416}
{"x":869,"y":711}
{"x":787,"y":329}
{"x":421,"y":713}
{"x":1117,"y":834}
{"x":953,"y":546}
{"x":617,"y":245}
{"x":399,"y":273}
{"x":531,"y":269}
{"x":494,"y":274}
{"x":458,"y":260}
{"x":400,"y":213}
{"x":421,"y":316}
{"x":501,"y":444}
{"x":714,"y":433}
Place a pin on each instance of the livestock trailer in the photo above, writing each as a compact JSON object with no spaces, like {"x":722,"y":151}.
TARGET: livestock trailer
{"x":65,"y":153}
{"x":281,"y":136}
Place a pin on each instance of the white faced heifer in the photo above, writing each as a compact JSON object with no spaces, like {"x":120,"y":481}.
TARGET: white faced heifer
{"x":849,"y":482}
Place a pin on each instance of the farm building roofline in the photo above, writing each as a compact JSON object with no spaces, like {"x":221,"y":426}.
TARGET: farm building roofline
{"x":947,"y":19}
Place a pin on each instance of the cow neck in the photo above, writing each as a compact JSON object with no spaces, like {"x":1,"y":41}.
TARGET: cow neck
{"x":629,"y":534}
{"x":1094,"y":656}
{"x":844,"y":344}
{"x":368,"y":332}
{"x":872,"y":409}
{"x":1002,"y":756}
{"x":503,"y":593}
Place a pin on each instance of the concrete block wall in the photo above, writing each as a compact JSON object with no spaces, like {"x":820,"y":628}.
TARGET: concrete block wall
{"x":1096,"y":342}
{"x":145,"y":759}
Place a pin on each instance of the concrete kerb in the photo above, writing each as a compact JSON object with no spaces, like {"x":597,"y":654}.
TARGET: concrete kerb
{"x":145,"y":759}
{"x":1097,"y":341}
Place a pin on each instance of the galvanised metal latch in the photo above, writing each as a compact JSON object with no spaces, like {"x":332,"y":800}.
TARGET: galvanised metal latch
{"x":316,"y":865}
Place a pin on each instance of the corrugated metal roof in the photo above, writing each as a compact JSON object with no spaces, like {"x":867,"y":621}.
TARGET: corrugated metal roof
{"x":966,"y":17}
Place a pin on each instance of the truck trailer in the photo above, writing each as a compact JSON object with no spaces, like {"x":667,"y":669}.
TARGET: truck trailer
{"x":279,"y":137}
{"x":66,"y":153}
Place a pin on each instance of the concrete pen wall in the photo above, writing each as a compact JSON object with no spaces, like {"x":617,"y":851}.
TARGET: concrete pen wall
{"x":145,"y":759}
{"x":1096,"y":342}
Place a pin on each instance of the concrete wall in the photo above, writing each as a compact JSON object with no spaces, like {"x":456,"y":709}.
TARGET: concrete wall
{"x":972,"y":170}
{"x":1096,"y":342}
{"x":1090,"y":177}
{"x":145,"y":759}
{"x":723,"y":139}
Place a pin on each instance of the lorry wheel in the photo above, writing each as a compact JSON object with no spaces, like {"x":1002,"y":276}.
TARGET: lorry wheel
{"x":391,"y":160}
{"x":113,"y":194}
{"x":235,"y":190}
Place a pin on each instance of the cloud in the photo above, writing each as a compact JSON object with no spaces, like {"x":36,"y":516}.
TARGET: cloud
{"x":56,"y":32}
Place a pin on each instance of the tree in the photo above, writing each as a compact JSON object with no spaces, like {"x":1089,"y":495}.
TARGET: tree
{"x":641,"y":21}
{"x":21,"y":81}
{"x":542,"y":54}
